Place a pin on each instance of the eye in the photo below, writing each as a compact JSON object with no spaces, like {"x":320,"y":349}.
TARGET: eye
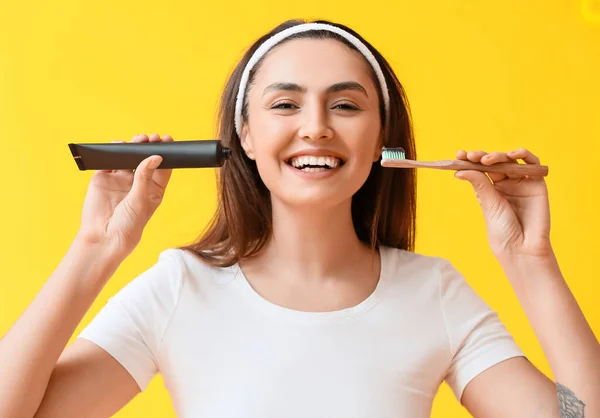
{"x":345,"y":106}
{"x":283,"y":106}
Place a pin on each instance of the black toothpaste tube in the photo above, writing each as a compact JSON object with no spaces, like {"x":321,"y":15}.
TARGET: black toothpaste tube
{"x":128,"y":155}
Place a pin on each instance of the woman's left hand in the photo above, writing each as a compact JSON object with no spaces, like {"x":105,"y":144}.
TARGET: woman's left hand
{"x":515,"y":208}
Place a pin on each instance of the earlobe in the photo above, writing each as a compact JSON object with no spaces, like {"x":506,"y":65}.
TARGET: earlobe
{"x":378,"y":150}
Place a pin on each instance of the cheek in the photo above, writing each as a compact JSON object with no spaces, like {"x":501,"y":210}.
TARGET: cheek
{"x":268,"y":151}
{"x":362,"y":139}
{"x":269,"y":134}
{"x":363,"y":143}
{"x":270,"y":137}
{"x":265,"y":122}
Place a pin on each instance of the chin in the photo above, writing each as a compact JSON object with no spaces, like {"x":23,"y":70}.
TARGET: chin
{"x":312,"y":200}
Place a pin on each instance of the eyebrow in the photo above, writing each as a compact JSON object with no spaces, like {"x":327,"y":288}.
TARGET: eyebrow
{"x":334,"y":88}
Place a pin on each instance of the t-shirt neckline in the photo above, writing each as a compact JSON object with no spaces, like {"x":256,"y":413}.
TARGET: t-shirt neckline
{"x":259,"y":302}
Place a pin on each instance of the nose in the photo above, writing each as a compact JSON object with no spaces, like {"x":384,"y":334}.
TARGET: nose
{"x":315,"y":123}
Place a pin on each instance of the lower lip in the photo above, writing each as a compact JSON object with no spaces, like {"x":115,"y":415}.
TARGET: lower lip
{"x":314,"y":175}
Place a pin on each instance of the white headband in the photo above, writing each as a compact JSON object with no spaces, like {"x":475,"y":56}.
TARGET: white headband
{"x":305,"y":27}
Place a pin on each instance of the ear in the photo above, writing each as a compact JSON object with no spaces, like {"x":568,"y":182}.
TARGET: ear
{"x":377,"y":155}
{"x":378,"y":149}
{"x":246,"y":142}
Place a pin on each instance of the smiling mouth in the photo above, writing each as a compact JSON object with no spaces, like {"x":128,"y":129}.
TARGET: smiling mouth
{"x":313,"y":164}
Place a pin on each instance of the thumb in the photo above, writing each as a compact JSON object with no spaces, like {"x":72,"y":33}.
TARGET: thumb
{"x":141,"y":192}
{"x":145,"y":171}
{"x":484,"y":189}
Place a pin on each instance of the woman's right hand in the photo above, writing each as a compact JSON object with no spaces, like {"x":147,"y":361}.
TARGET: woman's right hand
{"x":119,"y":203}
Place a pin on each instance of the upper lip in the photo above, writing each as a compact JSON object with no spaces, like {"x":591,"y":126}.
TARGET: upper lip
{"x":317,"y":152}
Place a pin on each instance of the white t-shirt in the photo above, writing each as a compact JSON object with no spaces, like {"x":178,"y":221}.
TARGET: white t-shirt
{"x":224,"y":351}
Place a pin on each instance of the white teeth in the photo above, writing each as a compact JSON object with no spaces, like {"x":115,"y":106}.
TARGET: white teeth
{"x":323,"y":161}
{"x":313,"y":169}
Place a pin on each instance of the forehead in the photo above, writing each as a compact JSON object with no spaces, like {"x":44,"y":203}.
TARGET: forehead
{"x":313,"y":62}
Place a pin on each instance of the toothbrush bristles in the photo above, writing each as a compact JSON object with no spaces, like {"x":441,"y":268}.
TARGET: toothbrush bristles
{"x":393,"y":154}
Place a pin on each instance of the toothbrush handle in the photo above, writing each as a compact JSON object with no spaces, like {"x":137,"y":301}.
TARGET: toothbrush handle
{"x":506,"y":168}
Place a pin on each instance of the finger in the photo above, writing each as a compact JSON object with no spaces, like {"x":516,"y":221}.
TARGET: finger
{"x":497,"y":177}
{"x":525,"y":155}
{"x":162,"y":176}
{"x":144,"y":197}
{"x":154,"y":138}
{"x":476,"y":156}
{"x":461,"y":155}
{"x":494,"y":158}
{"x":140,"y":138}
{"x":484,"y":190}
{"x":143,"y":191}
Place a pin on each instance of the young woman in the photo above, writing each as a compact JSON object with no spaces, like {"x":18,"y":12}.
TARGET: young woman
{"x":304,"y":298}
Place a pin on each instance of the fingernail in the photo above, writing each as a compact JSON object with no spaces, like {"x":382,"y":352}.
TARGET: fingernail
{"x":155,"y":163}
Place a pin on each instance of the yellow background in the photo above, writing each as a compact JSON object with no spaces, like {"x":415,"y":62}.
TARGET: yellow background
{"x":479,"y":75}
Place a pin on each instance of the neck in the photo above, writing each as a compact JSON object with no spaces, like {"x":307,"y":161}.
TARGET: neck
{"x":313,"y":242}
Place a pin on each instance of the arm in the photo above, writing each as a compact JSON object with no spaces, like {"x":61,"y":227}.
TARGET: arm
{"x":517,"y":215}
{"x":515,"y":387}
{"x":86,"y":381}
{"x":30,"y":350}
{"x":564,"y":334}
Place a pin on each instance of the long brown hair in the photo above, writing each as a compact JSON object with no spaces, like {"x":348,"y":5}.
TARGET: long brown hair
{"x":383,"y":209}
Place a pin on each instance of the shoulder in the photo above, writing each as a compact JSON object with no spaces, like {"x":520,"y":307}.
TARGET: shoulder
{"x":174,"y":275}
{"x":413,"y":279}
{"x":190,"y":269}
{"x":430,"y":274}
{"x":409,"y":263}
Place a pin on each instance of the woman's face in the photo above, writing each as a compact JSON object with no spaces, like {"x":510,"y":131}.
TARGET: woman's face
{"x":313,"y":122}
